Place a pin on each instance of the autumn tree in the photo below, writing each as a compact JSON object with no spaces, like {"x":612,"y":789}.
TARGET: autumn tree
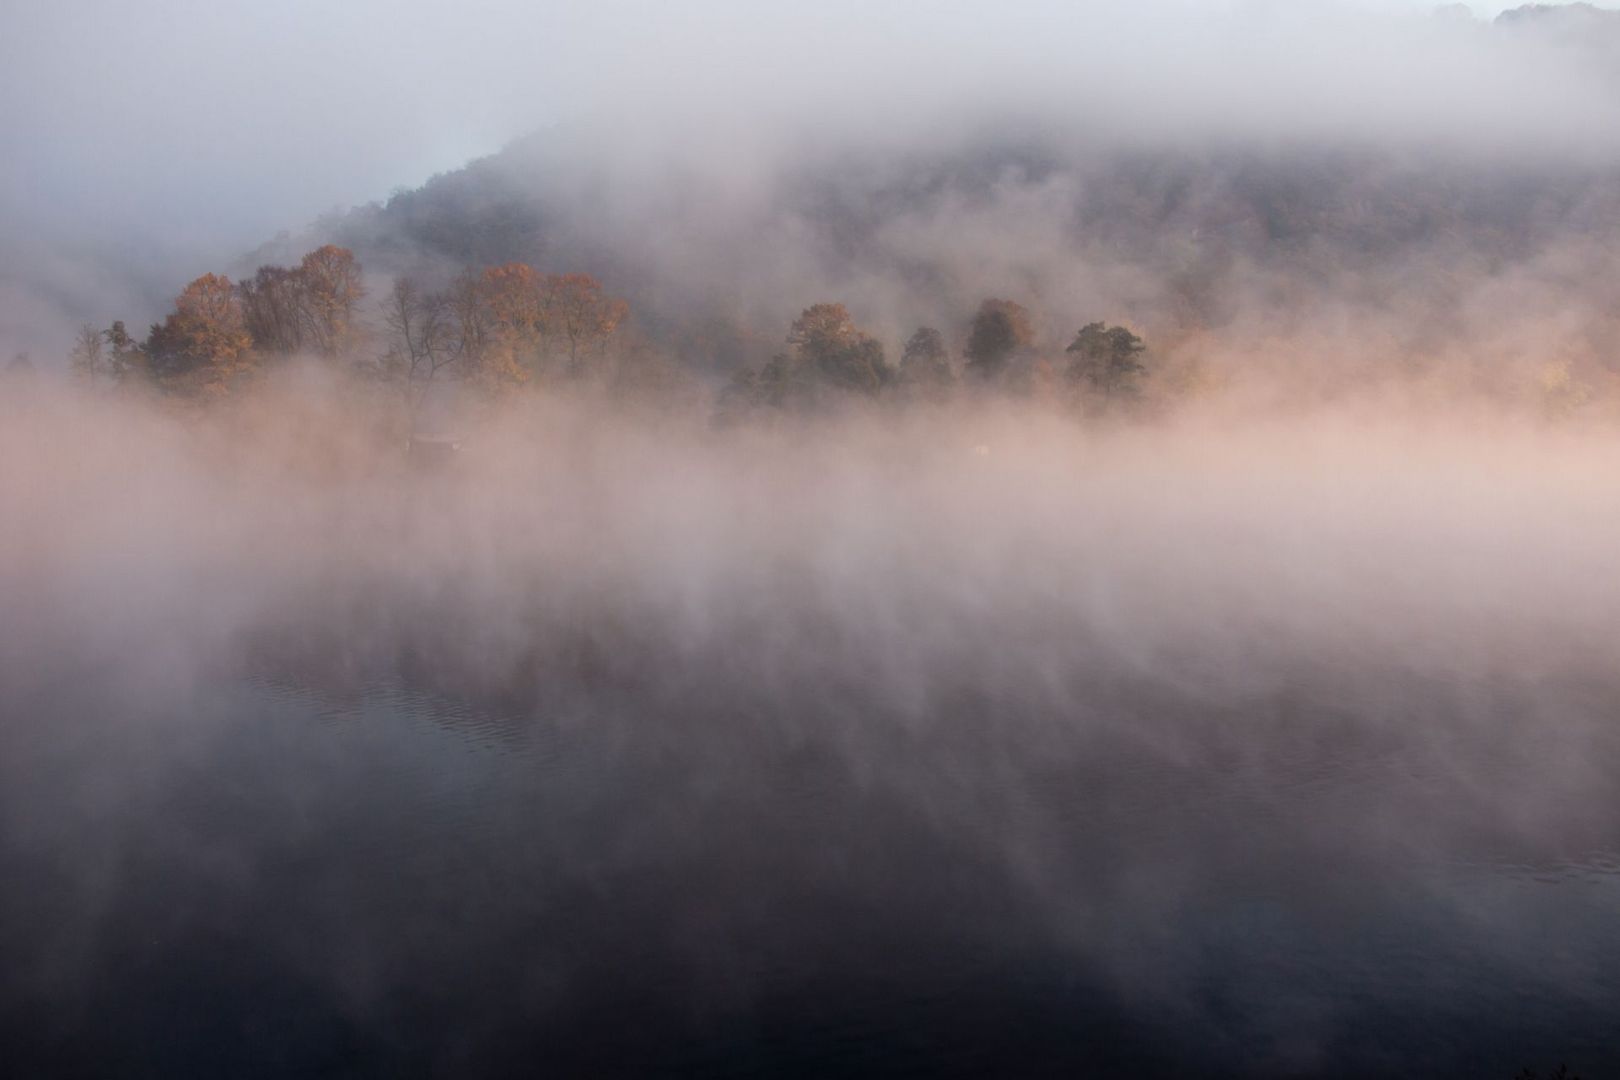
{"x":578,"y":316}
{"x":826,"y":341}
{"x":1000,"y":329}
{"x":1107,"y":361}
{"x":536,"y":325}
{"x":331,"y":290}
{"x":203,"y":344}
{"x":514,"y":346}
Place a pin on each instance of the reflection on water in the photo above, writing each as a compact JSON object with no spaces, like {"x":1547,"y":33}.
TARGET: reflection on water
{"x":269,"y":880}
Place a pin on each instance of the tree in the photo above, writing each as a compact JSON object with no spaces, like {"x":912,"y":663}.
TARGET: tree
{"x":472,"y":326}
{"x":88,"y":360}
{"x":825,"y":339}
{"x":511,"y":324}
{"x":577,"y":316}
{"x":273,"y":309}
{"x":536,"y":324}
{"x":1107,"y":360}
{"x":423,"y":340}
{"x":203,"y":344}
{"x":1000,"y":329}
{"x":311,"y":307}
{"x":826,"y":353}
{"x":925,"y":365}
{"x":126,"y":359}
{"x":331,"y":290}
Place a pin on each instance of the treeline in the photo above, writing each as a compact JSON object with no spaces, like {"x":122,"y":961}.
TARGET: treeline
{"x":221,"y":333}
{"x":496,"y":331}
{"x":828,"y":356}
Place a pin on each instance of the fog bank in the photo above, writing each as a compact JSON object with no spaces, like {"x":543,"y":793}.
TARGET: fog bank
{"x":910,"y":691}
{"x":991,"y":545}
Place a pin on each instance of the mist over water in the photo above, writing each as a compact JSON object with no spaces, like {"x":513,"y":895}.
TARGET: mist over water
{"x":953,"y":740}
{"x":546,"y":622}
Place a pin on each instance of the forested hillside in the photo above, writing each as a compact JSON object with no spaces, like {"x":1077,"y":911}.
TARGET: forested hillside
{"x":1306,"y":266}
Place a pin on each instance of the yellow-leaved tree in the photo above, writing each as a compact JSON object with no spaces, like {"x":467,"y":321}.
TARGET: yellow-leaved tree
{"x":202,"y":348}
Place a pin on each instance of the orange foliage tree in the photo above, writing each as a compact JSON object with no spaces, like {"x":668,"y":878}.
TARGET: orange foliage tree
{"x":203,"y":345}
{"x":332,"y":288}
{"x":579,"y":316}
{"x":537,"y":321}
{"x":513,"y":352}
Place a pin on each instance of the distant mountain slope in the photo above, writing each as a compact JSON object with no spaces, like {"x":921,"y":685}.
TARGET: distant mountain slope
{"x":1581,"y":17}
{"x":1177,"y":239}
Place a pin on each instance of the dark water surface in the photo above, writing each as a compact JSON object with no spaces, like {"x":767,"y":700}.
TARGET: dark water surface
{"x":260,"y":878}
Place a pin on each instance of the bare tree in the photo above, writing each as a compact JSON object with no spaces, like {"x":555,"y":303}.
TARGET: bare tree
{"x":88,"y":359}
{"x":273,"y":309}
{"x":473,"y":326}
{"x":422,"y":338}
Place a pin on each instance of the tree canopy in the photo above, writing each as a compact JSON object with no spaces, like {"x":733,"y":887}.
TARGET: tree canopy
{"x":495,"y":330}
{"x":1000,"y":329}
{"x":1107,"y":360}
{"x":203,"y":344}
{"x":824,"y":338}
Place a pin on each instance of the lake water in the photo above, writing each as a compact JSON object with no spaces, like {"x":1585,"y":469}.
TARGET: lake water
{"x":267,"y":877}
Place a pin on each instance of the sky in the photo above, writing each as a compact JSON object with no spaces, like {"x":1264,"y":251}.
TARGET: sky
{"x":179,"y":133}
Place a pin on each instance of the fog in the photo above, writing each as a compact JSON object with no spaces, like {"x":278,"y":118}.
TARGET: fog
{"x":1249,"y":545}
{"x":1222,"y":555}
{"x":733,"y":699}
{"x":1393,"y":631}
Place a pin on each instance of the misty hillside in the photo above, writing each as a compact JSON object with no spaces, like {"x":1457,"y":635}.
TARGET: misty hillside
{"x":1420,"y":245}
{"x":1578,"y":18}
